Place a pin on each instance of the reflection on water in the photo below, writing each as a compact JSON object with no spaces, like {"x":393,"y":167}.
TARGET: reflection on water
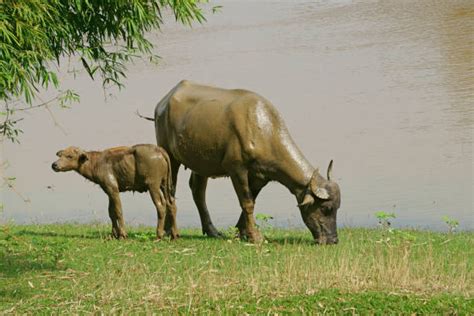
{"x":385,"y":88}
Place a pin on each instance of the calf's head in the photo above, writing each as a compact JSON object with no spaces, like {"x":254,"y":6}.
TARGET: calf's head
{"x":70,"y":158}
{"x":319,"y":207}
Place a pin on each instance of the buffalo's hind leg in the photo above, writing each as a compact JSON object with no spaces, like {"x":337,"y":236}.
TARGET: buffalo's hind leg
{"x":198,"y":186}
{"x":174,"y":177}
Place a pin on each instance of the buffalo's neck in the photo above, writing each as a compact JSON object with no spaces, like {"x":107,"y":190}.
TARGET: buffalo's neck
{"x":292,"y":169}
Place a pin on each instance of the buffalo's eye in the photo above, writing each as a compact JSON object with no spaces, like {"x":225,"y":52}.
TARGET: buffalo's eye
{"x":69,"y":157}
{"x":327,"y":210}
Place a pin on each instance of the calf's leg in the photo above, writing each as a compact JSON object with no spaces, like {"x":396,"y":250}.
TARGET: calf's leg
{"x":171,"y":214}
{"x":160,"y":204}
{"x":113,"y":218}
{"x":198,"y":186}
{"x":115,"y":213}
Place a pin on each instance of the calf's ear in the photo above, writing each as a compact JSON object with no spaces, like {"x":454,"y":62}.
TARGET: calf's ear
{"x":59,"y":153}
{"x":83,"y":158}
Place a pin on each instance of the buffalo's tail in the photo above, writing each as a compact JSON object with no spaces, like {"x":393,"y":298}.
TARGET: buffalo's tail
{"x":168,"y":186}
{"x":144,"y":117}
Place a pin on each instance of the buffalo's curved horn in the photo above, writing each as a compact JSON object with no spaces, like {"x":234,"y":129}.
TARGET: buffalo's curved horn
{"x":329,"y":170}
{"x":308,"y":199}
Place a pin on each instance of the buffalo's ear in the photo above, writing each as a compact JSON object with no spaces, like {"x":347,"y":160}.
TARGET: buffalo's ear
{"x":82,"y":158}
{"x":322,"y":193}
{"x":59,"y":153}
{"x":318,"y":191}
{"x":308,"y":200}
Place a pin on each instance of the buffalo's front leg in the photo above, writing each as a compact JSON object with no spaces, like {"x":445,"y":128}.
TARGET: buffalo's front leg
{"x":256,"y":185}
{"x":198,"y":186}
{"x":247,"y":203}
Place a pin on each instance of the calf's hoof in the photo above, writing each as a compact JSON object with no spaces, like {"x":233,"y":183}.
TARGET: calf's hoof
{"x":174,"y":236}
{"x":122,"y":236}
{"x":243,"y":234}
{"x":255,"y":237}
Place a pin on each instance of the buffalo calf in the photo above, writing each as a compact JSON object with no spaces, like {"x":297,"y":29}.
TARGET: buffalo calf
{"x":138,"y":168}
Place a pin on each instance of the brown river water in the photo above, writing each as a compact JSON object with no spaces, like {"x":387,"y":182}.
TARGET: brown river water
{"x":385,"y":88}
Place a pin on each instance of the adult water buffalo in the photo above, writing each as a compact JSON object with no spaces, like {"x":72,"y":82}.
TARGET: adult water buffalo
{"x":218,"y":132}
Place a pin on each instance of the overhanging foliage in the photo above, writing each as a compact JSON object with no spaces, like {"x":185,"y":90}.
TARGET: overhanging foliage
{"x":103,"y":35}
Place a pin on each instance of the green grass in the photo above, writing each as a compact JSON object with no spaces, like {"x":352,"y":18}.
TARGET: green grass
{"x":79,"y":269}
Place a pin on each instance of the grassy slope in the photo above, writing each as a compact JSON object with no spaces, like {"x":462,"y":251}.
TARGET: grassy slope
{"x":77,"y":268}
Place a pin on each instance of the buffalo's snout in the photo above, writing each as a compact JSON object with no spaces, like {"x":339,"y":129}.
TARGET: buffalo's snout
{"x":55,"y":166}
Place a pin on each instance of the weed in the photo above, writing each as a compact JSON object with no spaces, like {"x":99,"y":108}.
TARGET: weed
{"x":451,"y":222}
{"x":263,"y":221}
{"x":231,"y":232}
{"x":384,"y":219}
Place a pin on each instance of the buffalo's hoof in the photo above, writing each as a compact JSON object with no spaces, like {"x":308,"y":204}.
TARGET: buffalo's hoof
{"x":212,"y":232}
{"x":327,"y":241}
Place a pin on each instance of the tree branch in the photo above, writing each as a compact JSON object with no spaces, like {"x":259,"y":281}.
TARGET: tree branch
{"x":38,"y":105}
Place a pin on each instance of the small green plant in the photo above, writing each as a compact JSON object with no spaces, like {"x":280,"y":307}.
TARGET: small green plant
{"x":451,"y":222}
{"x":231,"y":232}
{"x":384,"y":219}
{"x":263,"y":221}
{"x":404,"y":235}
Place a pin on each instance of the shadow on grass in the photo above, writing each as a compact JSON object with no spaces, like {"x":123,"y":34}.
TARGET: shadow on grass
{"x":132,"y":235}
{"x":13,"y":265}
{"x":291,"y":240}
{"x":88,"y":235}
{"x":11,"y":296}
{"x":151,"y":236}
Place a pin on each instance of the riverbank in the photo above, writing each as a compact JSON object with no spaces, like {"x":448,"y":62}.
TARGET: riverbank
{"x":77,"y":268}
